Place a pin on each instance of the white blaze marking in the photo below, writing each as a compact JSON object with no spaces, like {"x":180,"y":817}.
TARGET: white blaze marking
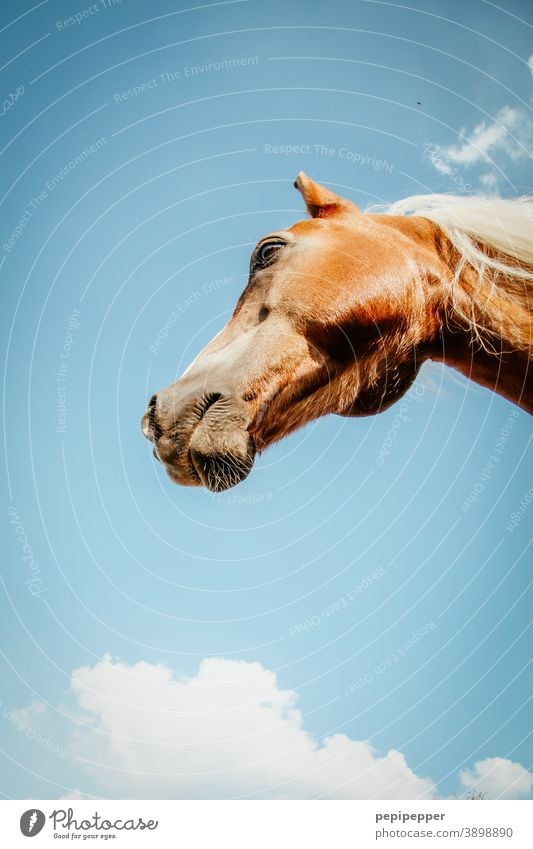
{"x":189,"y":367}
{"x":227,"y":356}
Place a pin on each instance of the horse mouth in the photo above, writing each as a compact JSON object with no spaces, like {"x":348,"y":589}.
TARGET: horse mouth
{"x":220,"y":447}
{"x":216,"y":451}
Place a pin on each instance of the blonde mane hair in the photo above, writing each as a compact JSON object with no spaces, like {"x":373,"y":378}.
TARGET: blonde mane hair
{"x":493,"y":238}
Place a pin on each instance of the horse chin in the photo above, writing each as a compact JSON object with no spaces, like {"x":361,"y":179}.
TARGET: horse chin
{"x":385,"y":392}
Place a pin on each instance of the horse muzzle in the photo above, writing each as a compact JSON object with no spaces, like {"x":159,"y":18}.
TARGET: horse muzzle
{"x":201,"y":439}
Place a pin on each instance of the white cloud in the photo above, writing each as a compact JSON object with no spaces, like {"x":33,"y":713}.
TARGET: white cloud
{"x":28,"y":715}
{"x":498,"y":778}
{"x":509,"y":136}
{"x":488,"y":138}
{"x":74,"y":795}
{"x":437,"y":156}
{"x":229,"y":731}
{"x":530,"y":63}
{"x":489,"y":181}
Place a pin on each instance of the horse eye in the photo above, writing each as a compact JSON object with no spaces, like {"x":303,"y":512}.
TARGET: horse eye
{"x":266,"y":253}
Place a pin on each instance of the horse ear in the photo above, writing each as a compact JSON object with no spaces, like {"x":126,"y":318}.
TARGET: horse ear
{"x":321,"y":202}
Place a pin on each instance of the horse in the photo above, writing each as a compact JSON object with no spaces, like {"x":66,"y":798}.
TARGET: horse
{"x":340,"y":312}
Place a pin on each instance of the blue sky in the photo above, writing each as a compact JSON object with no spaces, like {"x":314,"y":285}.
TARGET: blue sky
{"x":365,"y":591}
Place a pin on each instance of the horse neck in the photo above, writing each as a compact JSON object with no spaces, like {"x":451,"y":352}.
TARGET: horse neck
{"x":486,"y":328}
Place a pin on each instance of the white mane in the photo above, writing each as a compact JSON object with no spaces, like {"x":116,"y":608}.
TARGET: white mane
{"x":504,"y":225}
{"x":493,"y":236}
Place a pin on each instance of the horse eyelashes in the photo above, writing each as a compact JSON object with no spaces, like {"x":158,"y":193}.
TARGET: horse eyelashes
{"x":265,"y":254}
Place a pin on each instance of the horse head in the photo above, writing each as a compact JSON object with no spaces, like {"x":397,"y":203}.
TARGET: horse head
{"x":337,"y":316}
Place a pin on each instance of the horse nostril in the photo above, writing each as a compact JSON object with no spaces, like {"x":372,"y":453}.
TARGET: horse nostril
{"x":208,"y":401}
{"x":148,"y":423}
